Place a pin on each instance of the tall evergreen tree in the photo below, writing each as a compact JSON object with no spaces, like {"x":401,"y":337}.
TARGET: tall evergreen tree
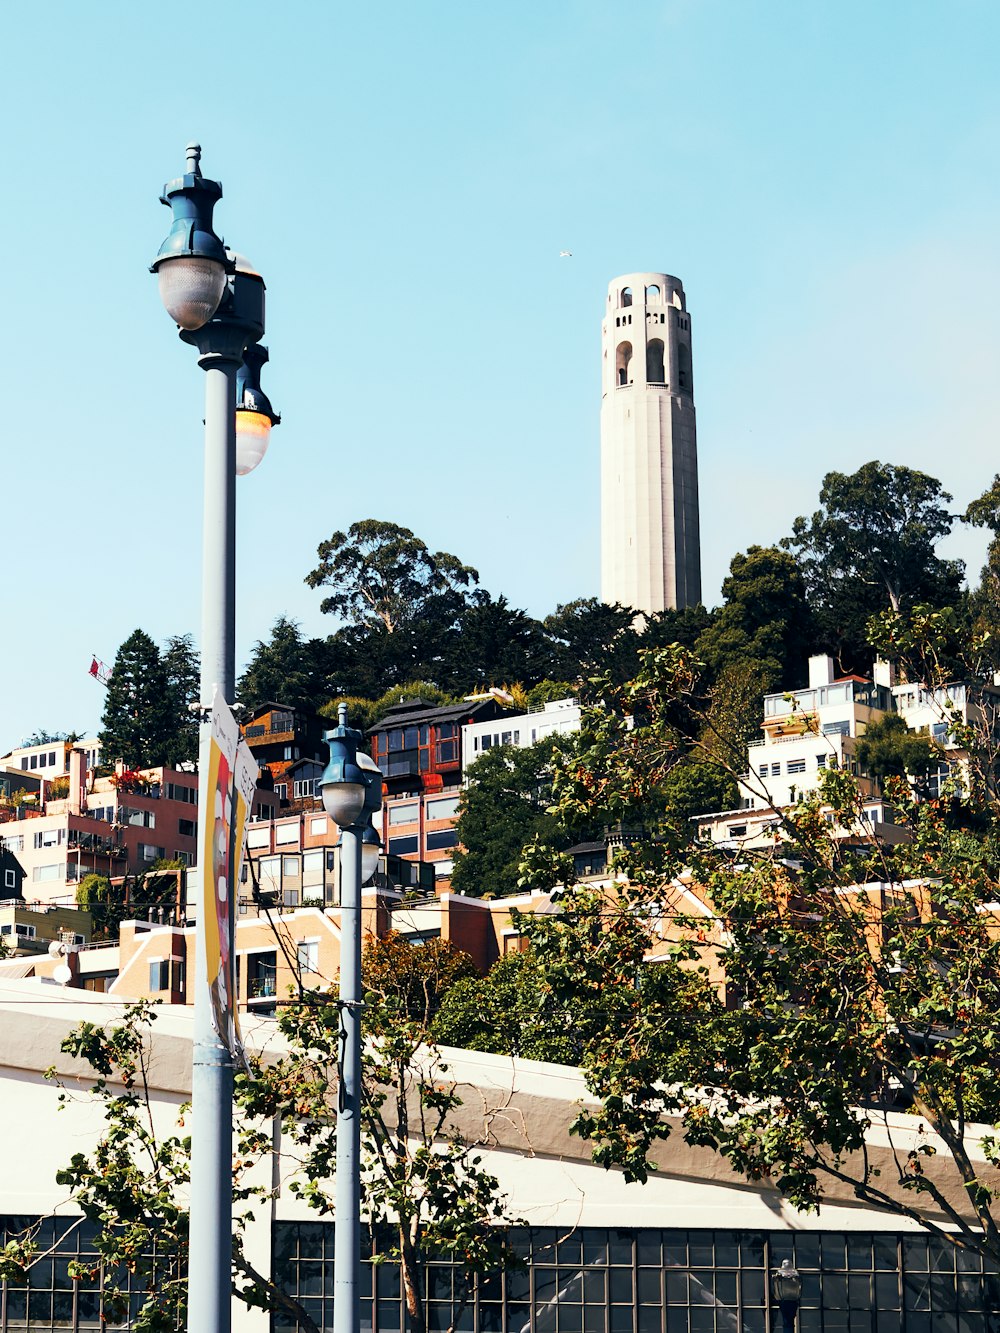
{"x":183,"y":676}
{"x":137,"y":725}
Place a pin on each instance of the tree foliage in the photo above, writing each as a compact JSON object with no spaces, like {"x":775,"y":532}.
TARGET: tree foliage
{"x":382,"y":574}
{"x":289,"y":669}
{"x":183,"y":670}
{"x":505,"y":804}
{"x":801,"y":1007}
{"x":890,"y":749}
{"x":139,"y":723}
{"x":871,"y":547}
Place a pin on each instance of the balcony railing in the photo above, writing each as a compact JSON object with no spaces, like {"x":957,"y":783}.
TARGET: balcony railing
{"x":262,"y":988}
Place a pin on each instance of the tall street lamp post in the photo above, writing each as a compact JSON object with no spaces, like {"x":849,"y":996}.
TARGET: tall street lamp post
{"x":217,"y":300}
{"x":352,"y":792}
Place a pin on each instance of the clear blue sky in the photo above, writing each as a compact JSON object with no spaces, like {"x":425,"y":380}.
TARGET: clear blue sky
{"x":823,"y":177}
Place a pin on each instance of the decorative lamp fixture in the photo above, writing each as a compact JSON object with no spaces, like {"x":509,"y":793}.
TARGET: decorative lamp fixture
{"x":343,"y":782}
{"x":254,"y":414}
{"x":192,"y":262}
{"x":786,"y":1287}
{"x":371,"y":850}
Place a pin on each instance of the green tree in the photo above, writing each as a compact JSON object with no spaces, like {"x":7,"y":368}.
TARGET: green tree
{"x":289,"y":669}
{"x":590,"y":638}
{"x":180,"y":661}
{"x":696,"y":787}
{"x":138,"y":723}
{"x":890,"y":749}
{"x":496,"y":643}
{"x":503,"y":805}
{"x":364,"y":713}
{"x":764,"y":619}
{"x":383,"y":575}
{"x":508,"y":1012}
{"x":871,"y":547}
{"x":783,"y":1028}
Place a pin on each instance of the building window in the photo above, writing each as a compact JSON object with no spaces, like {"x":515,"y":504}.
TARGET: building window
{"x":775,"y":770}
{"x":284,"y":834}
{"x":281,"y":791}
{"x":317,"y":826}
{"x":404,"y":846}
{"x":836,"y":728}
{"x":159,"y":975}
{"x":445,"y":807}
{"x":43,"y":874}
{"x":9,"y":879}
{"x":290,"y":865}
{"x":762,"y":770}
{"x":404,"y":814}
{"x":821,"y":760}
{"x":443,"y":838}
{"x":796,"y":765}
{"x":307,"y":955}
{"x":187,"y":828}
{"x":149,"y":852}
{"x":737,"y":830}
{"x":654,"y":361}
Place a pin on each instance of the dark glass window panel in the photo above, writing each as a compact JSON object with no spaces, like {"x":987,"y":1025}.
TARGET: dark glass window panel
{"x":570,"y":1284}
{"x":389,"y":1315}
{"x":311,"y":1240}
{"x":595,"y":1287}
{"x":968,"y":1261}
{"x":890,"y":1321}
{"x":836,"y":1321}
{"x":425,"y":760}
{"x":915,"y":1254}
{"x":570,"y":1318}
{"x":519,"y":1285}
{"x":781,"y":1249}
{"x":17,"y":1305}
{"x":571,"y":1251}
{"x":438,"y":1283}
{"x":647,"y":1248}
{"x":675,"y":1252}
{"x":595,"y":1247}
{"x":859,"y":1252}
{"x":543,"y":1245}
{"x":859,"y":1292}
{"x":441,"y":839}
{"x":943,"y":1293}
{"x":594,"y":1319}
{"x":39,"y":1307}
{"x":517,"y":1317}
{"x":727,"y":1251}
{"x":942,"y":1256}
{"x":725,"y":1289}
{"x":61,"y":1279}
{"x":491,"y":1287}
{"x":649,"y":1320}
{"x":752,"y":1250}
{"x":281,"y":1327}
{"x":546,"y":1286}
{"x":620,"y":1247}
{"x":62,"y":1309}
{"x":701,"y":1319}
{"x":310,"y":1278}
{"x":677,"y":1288}
{"x":621,"y":1286}
{"x":945,"y":1322}
{"x":886,"y":1291}
{"x":833,"y":1250}
{"x":424,"y":734}
{"x":40,"y":1274}
{"x":410,"y":741}
{"x":88,"y":1307}
{"x":438,"y":1316}
{"x":649,"y":1289}
{"x":387,"y":1282}
{"x":835,"y":1291}
{"x":700,"y":1249}
{"x":919,"y":1323}
{"x":752,"y":1287}
{"x":886,"y":1252}
{"x":491,"y":1319}
{"x":395,"y":740}
{"x":755,"y":1321}
{"x":622,"y":1319}
{"x":916,"y":1292}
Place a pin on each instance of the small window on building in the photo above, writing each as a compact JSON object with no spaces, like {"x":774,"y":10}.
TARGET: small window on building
{"x":626,"y":296}
{"x":652,"y":292}
{"x":737,"y":830}
{"x":796,"y":765}
{"x":443,"y":838}
{"x":9,"y":879}
{"x":836,"y":728}
{"x":775,"y":770}
{"x":307,"y":955}
{"x":159,"y":975}
{"x":405,"y":846}
{"x":763,"y":770}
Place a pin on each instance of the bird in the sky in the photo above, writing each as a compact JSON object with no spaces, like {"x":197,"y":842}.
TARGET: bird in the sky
{"x":565,"y":254}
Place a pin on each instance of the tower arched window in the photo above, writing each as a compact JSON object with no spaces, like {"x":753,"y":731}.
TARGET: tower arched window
{"x":626,"y":298}
{"x":654,"y":361}
{"x":652,"y":292}
{"x":684,"y":366}
{"x":623,"y":358}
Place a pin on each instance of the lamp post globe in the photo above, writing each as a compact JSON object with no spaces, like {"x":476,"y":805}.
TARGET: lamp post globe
{"x":191,"y":265}
{"x":343,"y":781}
{"x":254,"y":414}
{"x":371,"y":850}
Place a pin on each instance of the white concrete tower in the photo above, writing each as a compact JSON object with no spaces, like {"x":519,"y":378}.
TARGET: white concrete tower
{"x":650,"y":543}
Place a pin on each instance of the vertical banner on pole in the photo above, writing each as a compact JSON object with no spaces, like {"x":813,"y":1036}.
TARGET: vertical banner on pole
{"x":244,"y":787}
{"x":218,"y":883}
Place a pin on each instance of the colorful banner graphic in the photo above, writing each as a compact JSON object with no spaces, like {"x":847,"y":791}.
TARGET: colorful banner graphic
{"x":216,"y":838}
{"x":244,"y":788}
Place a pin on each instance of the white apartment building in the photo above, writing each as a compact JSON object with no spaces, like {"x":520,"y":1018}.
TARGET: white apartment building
{"x":557,"y":718}
{"x":50,"y":759}
{"x":807,"y":731}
